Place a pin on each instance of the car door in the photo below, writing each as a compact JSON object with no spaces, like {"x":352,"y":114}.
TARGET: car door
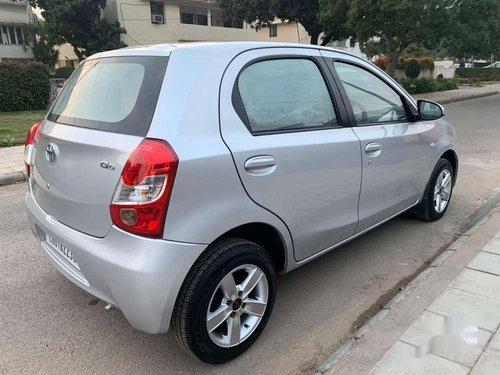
{"x":282,"y":122}
{"x":395,"y":148}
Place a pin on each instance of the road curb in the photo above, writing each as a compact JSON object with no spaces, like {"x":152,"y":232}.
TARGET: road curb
{"x":328,"y":364}
{"x":12,"y":178}
{"x":468,"y":97}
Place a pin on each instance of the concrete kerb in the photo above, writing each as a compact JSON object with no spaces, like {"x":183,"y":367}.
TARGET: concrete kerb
{"x":448,"y":264}
{"x":468,"y":97}
{"x":12,"y":178}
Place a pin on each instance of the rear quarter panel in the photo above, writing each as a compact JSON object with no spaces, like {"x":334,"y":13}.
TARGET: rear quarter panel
{"x":208,"y":198}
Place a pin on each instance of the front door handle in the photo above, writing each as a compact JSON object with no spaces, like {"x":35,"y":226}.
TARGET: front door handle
{"x":260,"y":165}
{"x":373,"y":149}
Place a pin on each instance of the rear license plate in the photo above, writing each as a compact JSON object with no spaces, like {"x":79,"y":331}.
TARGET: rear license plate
{"x":63,"y":251}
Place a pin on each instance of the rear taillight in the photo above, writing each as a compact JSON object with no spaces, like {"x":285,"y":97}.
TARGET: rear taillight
{"x":142,"y":195}
{"x":29,"y":146}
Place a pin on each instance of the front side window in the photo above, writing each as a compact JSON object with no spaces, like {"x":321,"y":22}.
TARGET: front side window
{"x":285,"y":94}
{"x":372,"y":100}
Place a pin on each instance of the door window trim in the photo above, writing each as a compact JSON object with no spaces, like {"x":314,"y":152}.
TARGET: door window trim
{"x":410,"y":115}
{"x":335,"y":95}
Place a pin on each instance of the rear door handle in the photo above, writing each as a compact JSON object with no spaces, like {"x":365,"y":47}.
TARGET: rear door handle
{"x":373,"y":149}
{"x":260,"y":165}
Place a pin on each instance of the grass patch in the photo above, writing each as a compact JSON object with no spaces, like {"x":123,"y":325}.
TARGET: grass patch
{"x":15,"y":125}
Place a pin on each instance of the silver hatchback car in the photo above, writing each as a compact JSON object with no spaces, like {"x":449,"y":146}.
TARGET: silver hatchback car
{"x":175,"y":181}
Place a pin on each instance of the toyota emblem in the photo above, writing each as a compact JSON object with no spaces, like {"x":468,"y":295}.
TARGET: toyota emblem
{"x":50,"y":152}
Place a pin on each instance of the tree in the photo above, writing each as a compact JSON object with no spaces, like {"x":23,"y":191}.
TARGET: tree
{"x":43,"y":49}
{"x":262,"y":12}
{"x":476,"y":29}
{"x":333,"y":17}
{"x":79,"y":23}
{"x":390,"y":26}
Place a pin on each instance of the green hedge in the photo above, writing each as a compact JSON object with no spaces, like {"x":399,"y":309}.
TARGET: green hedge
{"x":424,"y":85}
{"x":482,"y":74}
{"x":23,"y":87}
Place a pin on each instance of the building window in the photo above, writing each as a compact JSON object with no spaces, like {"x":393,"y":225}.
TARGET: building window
{"x":234,"y":23}
{"x":273,"y":31}
{"x":157,"y":12}
{"x":187,"y":18}
{"x":19,"y":34}
{"x":202,"y":19}
{"x":4,"y":35}
{"x":194,"y":16}
{"x":216,"y":18}
{"x":11,"y":35}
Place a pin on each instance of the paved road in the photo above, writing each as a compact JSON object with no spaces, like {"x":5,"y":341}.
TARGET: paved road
{"x":48,"y":325}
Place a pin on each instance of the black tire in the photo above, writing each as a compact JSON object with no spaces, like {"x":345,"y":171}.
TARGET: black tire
{"x":189,"y":316}
{"x":425,"y":210}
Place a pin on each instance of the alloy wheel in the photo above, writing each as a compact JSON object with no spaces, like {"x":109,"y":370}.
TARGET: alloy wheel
{"x":442,"y":190}
{"x":237,"y":305}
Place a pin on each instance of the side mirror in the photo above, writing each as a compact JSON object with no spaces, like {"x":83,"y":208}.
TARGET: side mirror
{"x":428,"y":110}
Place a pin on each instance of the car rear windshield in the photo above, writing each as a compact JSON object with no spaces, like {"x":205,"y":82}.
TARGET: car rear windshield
{"x":115,"y":94}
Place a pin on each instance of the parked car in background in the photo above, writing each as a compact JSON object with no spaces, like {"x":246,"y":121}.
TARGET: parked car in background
{"x":176,"y":181}
{"x":493,"y":65}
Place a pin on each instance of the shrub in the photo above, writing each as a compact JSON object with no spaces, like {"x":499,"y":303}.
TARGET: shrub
{"x":412,"y":69}
{"x":24,"y":86}
{"x":425,"y":85}
{"x":480,"y":74}
{"x":382,"y":62}
{"x":63,"y":72}
{"x":425,"y":63}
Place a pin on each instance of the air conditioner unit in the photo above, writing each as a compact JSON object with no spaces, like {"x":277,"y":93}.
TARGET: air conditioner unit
{"x":156,"y":18}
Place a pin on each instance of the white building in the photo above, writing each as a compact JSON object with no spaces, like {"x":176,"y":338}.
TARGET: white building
{"x":13,"y":15}
{"x":172,"y":21}
{"x":284,"y":31}
{"x":349,"y":45}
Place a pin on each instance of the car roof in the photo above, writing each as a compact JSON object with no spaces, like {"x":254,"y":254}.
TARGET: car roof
{"x":206,"y":47}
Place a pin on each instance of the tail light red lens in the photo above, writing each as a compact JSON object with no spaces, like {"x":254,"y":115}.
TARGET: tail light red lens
{"x":32,"y":137}
{"x":142,"y":195}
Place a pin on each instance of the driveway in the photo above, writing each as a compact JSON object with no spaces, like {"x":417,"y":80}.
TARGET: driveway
{"x":48,"y":325}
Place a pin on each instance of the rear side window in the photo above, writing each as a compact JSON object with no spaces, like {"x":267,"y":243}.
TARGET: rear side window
{"x":285,"y":94}
{"x":116,"y":94}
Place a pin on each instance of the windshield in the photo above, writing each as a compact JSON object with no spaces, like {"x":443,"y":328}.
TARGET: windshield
{"x":116,"y":94}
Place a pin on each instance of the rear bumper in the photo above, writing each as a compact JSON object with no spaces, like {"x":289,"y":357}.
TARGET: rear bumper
{"x":140,"y":276}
